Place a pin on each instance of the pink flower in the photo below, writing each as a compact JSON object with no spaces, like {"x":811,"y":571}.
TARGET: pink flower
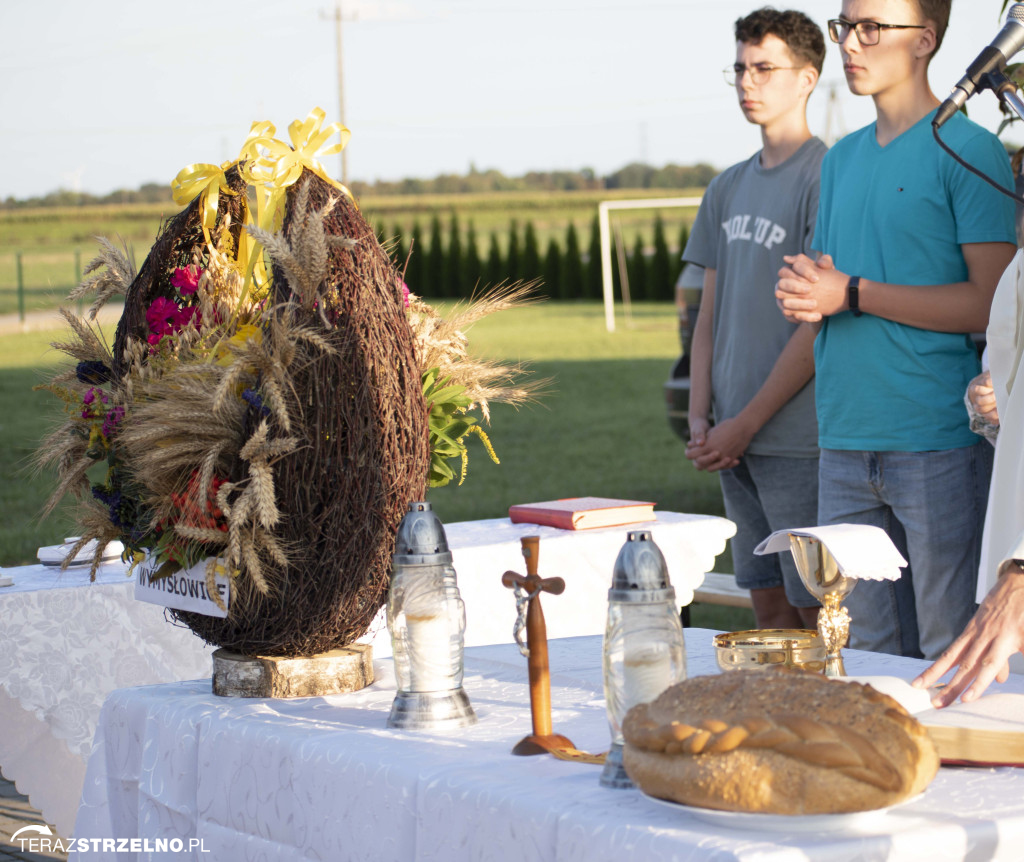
{"x":112,"y":420}
{"x":165,"y":317}
{"x":405,"y":294}
{"x":93,"y":401}
{"x":161,"y":316}
{"x":187,"y":315}
{"x":186,"y":279}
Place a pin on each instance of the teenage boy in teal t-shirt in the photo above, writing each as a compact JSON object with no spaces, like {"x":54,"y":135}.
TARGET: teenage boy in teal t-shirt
{"x":912,"y":247}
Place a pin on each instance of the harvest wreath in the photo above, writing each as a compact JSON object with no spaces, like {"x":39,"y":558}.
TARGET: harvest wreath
{"x":273,"y":399}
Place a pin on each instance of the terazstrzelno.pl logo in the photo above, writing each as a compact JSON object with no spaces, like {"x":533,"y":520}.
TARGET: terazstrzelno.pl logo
{"x":40,"y":839}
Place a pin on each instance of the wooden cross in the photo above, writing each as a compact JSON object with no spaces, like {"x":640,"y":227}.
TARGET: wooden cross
{"x":542,"y":740}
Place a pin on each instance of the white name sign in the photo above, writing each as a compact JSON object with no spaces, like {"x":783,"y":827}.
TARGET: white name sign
{"x":185,"y":590}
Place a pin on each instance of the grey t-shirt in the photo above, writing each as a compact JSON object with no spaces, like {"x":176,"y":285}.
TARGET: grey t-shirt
{"x":750,"y":217}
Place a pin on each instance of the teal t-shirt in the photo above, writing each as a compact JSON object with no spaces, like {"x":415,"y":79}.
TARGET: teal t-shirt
{"x":899,"y":214}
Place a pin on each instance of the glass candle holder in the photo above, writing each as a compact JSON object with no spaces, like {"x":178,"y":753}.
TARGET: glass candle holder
{"x":644,"y":652}
{"x":427,"y":622}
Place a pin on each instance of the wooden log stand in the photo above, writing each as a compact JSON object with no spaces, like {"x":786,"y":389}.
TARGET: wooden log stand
{"x":346,"y":669}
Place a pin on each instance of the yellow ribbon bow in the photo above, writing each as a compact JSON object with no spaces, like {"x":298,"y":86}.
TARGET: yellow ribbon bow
{"x":206,"y":182}
{"x":274,"y":165}
{"x":203,"y":181}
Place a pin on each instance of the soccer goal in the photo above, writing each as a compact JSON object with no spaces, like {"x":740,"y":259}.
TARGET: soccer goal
{"x":604,"y":209}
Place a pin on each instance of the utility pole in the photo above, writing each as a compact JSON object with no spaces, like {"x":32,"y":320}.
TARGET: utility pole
{"x":338,"y":18}
{"x":835,"y":127}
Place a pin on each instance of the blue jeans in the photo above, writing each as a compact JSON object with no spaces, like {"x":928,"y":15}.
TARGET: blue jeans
{"x":762,"y":494}
{"x":932,"y":505}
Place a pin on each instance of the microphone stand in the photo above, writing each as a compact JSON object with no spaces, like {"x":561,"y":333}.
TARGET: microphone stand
{"x":1006,"y":90}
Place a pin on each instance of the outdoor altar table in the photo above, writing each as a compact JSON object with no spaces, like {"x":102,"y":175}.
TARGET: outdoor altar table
{"x":66,"y":643}
{"x":323,"y":778}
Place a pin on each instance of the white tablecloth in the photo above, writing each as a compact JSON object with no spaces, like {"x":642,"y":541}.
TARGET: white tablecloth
{"x":65,"y":644}
{"x":323,"y":778}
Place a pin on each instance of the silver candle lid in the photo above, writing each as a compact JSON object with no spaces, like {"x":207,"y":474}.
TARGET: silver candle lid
{"x":640,"y":573}
{"x":421,"y":540}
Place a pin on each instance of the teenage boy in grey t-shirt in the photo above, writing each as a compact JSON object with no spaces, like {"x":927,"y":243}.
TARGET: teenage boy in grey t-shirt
{"x":750,"y":368}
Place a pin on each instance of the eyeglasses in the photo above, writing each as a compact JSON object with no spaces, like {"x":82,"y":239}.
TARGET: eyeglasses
{"x":759,"y":72}
{"x":867,"y":31}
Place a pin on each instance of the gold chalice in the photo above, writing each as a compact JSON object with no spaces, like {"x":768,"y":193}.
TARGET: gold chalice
{"x":820,"y":573}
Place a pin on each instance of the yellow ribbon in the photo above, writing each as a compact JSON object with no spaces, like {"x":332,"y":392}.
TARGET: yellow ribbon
{"x":206,"y":182}
{"x":273,"y":166}
{"x":203,"y":181}
{"x":260,"y":134}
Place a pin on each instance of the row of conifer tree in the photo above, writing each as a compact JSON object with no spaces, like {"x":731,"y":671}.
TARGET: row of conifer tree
{"x":451,"y":262}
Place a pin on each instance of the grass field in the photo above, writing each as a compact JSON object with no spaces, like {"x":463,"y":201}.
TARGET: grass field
{"x":51,"y":245}
{"x":24,"y":417}
{"x":599,"y":430}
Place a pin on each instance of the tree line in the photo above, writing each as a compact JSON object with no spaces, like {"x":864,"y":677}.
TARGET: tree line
{"x":147,"y":193}
{"x":445,"y":261}
{"x":635,"y":175}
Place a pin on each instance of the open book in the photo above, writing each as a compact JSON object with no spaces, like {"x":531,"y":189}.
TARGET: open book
{"x":989,"y":731}
{"x":582,"y":513}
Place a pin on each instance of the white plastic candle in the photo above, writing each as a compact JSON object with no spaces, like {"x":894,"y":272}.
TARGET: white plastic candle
{"x":429,"y":651}
{"x":647,"y":672}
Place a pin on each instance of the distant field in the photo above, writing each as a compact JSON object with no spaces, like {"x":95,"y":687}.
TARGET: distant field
{"x":76,"y":226}
{"x":56,"y":243}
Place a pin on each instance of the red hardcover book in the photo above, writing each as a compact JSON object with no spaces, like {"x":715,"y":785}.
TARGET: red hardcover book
{"x":582,"y":513}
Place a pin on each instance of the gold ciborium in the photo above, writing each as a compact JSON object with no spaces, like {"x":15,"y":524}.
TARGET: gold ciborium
{"x":820,"y":573}
{"x":761,"y":649}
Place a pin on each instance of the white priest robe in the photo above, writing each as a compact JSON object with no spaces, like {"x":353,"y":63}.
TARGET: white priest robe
{"x":1003,"y":538}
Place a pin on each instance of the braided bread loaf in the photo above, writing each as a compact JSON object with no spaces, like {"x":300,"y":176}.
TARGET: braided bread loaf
{"x":779,"y":742}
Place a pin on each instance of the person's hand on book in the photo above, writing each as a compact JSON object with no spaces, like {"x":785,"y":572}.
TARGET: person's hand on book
{"x":982,"y":653}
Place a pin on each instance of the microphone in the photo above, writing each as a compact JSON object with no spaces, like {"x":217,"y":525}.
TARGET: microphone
{"x":994,"y":58}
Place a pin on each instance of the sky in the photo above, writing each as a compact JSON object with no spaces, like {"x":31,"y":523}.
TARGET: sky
{"x":106,"y":94}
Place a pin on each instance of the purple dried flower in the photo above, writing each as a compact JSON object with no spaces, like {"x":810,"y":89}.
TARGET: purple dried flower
{"x":252,"y":397}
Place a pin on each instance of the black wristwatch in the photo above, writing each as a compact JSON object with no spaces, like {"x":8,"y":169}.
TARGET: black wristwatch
{"x":853,"y":295}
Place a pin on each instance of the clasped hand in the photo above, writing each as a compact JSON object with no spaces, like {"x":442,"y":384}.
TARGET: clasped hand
{"x":807,"y":290}
{"x":719,"y":447}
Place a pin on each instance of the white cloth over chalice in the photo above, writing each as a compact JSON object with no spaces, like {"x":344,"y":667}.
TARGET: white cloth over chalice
{"x":830,"y":561}
{"x":861,"y":552}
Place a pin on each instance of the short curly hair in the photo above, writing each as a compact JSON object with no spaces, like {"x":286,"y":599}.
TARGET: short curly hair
{"x":802,"y":36}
